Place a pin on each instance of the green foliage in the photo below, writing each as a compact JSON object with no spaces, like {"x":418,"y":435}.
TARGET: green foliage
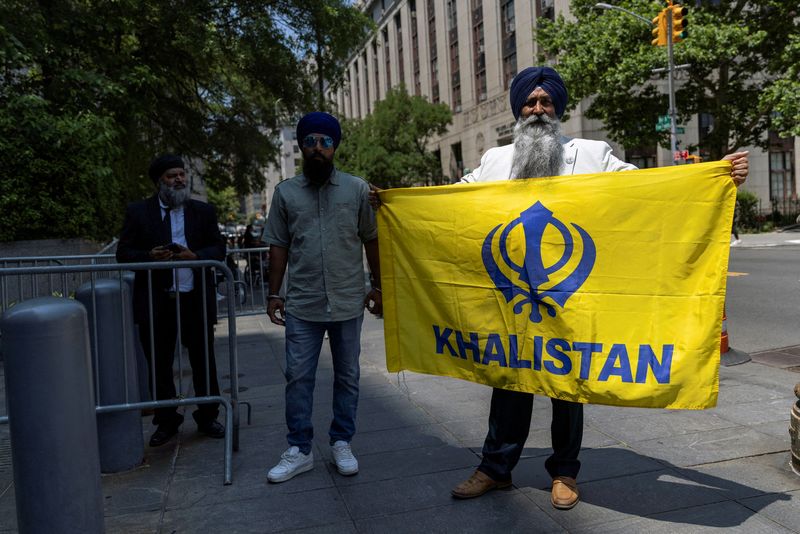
{"x":388,"y":147}
{"x":744,"y":69}
{"x":91,"y":90}
{"x":225,"y":202}
{"x":747,"y":206}
{"x":326,"y":32}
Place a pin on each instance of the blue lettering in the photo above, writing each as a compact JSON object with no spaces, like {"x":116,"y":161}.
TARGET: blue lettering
{"x":553,"y":346}
{"x":586,"y":350}
{"x":647,"y":358}
{"x":513,"y":359}
{"x":619,"y":354}
{"x":494,"y":351}
{"x":443,"y":340}
{"x":537,"y":353}
{"x":472,"y":346}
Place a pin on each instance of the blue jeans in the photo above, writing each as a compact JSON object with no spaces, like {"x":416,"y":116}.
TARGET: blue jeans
{"x":303,"y":344}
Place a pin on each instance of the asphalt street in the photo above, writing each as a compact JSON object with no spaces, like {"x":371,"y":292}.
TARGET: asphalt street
{"x":763,"y":301}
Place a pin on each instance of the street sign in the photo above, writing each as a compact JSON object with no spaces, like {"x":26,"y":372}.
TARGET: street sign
{"x":663,"y":123}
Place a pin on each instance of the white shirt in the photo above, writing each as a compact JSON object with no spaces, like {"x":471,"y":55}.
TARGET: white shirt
{"x":185,"y":278}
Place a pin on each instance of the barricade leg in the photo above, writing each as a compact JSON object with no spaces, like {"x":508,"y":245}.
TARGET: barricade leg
{"x":112,"y":335}
{"x":51,"y":414}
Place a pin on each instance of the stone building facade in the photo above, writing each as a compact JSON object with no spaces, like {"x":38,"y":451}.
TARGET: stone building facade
{"x":465,"y":53}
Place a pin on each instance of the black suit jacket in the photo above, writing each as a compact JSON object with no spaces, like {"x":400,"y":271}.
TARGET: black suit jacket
{"x":142,"y":230}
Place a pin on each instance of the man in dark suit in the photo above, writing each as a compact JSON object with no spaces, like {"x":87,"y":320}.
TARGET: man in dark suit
{"x":169,"y":226}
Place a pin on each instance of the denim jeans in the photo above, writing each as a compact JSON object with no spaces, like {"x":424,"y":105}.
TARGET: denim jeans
{"x":303,"y":344}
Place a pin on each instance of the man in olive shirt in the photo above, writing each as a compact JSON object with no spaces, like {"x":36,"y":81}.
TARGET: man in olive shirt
{"x":317,"y":224}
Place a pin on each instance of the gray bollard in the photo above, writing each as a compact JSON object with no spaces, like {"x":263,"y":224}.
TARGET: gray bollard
{"x":142,"y":368}
{"x":52,"y":417}
{"x":119,"y":433}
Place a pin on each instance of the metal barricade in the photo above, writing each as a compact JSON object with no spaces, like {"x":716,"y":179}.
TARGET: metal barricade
{"x":24,"y":286}
{"x":94,"y":271}
{"x":250,"y":281}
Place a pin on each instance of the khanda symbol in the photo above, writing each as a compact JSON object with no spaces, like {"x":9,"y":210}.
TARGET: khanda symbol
{"x":533,"y":274}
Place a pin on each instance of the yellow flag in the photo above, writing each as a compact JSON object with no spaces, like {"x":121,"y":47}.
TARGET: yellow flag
{"x":599,"y":288}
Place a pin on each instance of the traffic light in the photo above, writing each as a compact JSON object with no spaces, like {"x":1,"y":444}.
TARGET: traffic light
{"x":660,"y":28}
{"x":679,"y":23}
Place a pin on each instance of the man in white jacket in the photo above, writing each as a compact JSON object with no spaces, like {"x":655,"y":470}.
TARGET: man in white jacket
{"x":538,"y":100}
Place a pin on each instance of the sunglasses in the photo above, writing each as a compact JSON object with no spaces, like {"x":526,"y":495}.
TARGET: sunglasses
{"x":310,"y":141}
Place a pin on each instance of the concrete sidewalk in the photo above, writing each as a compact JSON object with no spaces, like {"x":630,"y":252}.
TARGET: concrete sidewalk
{"x":789,"y":237}
{"x":418,"y":435}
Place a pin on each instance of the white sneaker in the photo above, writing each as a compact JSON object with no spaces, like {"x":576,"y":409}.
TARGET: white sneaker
{"x":292,"y":463}
{"x":343,"y":457}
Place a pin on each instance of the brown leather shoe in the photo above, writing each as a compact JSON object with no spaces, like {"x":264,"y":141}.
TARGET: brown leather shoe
{"x":478,"y":484}
{"x":565,"y":493}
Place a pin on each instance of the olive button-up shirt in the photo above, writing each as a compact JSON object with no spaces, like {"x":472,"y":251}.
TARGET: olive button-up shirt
{"x":323,"y":228}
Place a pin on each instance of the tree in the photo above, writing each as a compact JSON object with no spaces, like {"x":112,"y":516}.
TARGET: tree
{"x":743,"y":57}
{"x":226,"y":204}
{"x":389,"y":147}
{"x":90,"y":91}
{"x":326,"y":31}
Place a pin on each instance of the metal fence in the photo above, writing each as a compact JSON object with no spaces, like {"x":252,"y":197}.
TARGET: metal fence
{"x":250,"y":281}
{"x":26,"y":278}
{"x":249,"y":269}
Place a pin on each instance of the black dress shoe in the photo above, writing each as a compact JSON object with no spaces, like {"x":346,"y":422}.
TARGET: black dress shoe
{"x":162,"y":435}
{"x":212,"y":429}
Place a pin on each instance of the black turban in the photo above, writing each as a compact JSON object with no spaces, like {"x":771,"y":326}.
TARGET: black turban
{"x":321,"y":123}
{"x":529,"y":79}
{"x":162,"y":164}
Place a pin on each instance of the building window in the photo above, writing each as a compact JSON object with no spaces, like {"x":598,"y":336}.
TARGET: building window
{"x":433,"y":51}
{"x":782,"y":186}
{"x":478,"y":50}
{"x":366,"y":83}
{"x":644,"y":158}
{"x":398,"y":28}
{"x":387,"y":58}
{"x":547,"y":9}
{"x":508,"y":37}
{"x":412,"y":6}
{"x":452,"y":37}
{"x":357,"y":92}
{"x":456,"y":162}
{"x":375,"y":72}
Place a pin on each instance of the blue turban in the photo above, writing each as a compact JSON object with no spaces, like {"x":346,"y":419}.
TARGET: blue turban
{"x":321,"y":123}
{"x":529,"y":79}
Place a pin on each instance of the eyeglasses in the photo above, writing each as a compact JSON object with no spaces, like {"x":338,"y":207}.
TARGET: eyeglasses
{"x":310,"y":141}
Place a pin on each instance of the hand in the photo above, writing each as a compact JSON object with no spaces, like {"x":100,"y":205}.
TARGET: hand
{"x":739,"y":166}
{"x":374,"y":199}
{"x":276,"y":309}
{"x":184,"y":254}
{"x":374,"y":301}
{"x":160,"y":254}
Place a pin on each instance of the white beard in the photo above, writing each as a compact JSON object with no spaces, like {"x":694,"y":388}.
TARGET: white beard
{"x":172,"y":197}
{"x":537,"y":147}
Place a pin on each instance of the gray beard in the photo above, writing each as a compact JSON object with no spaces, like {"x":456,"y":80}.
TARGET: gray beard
{"x":537,"y":147}
{"x":171,"y":197}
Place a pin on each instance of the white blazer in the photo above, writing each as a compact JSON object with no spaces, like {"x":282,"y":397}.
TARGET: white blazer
{"x":581,"y":156}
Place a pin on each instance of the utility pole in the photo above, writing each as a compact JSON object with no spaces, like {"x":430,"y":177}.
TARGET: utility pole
{"x":673,"y":121}
{"x":665,"y":32}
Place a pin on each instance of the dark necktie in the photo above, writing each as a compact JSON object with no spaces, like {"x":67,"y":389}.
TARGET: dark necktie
{"x":166,"y":227}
